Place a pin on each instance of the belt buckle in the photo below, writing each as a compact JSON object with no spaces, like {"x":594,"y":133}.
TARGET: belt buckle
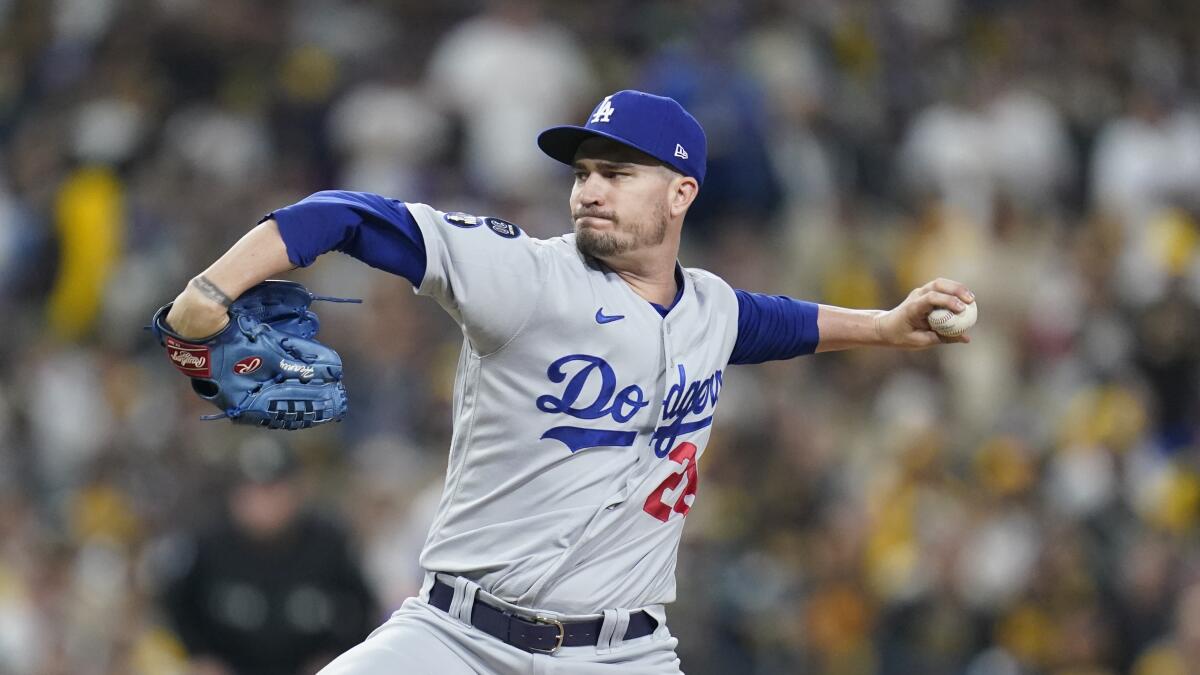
{"x":562,"y":633}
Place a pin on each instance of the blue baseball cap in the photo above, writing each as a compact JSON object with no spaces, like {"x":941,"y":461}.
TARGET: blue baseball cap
{"x":656,"y":125}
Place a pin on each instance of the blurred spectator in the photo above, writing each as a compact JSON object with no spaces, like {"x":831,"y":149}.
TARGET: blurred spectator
{"x":1000,"y":143}
{"x":1181,"y":651}
{"x":740,"y":185}
{"x":273,"y":588}
{"x":388,"y":134}
{"x":1146,"y":164}
{"x":507,"y":74}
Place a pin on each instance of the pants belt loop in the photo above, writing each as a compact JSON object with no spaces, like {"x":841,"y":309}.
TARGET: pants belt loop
{"x":612,"y":630}
{"x":464,"y":599}
{"x":427,"y":585}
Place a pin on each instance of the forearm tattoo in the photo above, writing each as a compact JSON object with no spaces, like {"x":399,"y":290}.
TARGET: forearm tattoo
{"x":210,"y":291}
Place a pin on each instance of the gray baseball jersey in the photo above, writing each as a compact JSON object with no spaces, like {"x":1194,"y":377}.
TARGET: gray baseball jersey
{"x":581,"y":412}
{"x":580,"y":416}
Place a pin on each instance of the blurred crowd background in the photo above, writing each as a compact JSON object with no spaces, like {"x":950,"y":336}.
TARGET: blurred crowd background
{"x":1029,"y":503}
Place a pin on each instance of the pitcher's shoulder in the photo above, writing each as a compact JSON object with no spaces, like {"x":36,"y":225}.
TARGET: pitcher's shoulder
{"x":563,"y":245}
{"x":562,"y":250}
{"x":707,"y":282}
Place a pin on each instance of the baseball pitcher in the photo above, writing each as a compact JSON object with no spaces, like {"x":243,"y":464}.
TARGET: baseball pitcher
{"x":591,"y":369}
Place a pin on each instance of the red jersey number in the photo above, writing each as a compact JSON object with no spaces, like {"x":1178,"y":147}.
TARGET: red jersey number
{"x":685,"y":455}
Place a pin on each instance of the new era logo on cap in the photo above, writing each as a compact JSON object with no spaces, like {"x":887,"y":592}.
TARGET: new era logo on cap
{"x":656,"y":125}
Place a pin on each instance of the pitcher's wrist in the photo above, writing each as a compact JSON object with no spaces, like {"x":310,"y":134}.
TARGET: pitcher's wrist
{"x":194,"y":315}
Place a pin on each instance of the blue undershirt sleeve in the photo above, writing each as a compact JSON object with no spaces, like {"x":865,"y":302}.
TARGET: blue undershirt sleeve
{"x":773,"y":327}
{"x":376,"y":230}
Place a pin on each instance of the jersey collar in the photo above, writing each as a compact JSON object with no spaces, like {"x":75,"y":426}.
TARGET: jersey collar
{"x":595,"y":263}
{"x":663,"y":311}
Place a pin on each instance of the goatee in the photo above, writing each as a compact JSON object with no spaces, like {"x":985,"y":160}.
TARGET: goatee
{"x":605,"y":244}
{"x":600,"y":244}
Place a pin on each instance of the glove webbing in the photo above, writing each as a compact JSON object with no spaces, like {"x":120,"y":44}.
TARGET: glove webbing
{"x":294,"y":414}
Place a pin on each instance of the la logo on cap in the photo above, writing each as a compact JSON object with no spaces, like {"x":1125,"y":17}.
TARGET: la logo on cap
{"x":604,"y":111}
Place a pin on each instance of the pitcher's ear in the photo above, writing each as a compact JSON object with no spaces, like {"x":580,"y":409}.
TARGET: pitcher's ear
{"x":683,"y":192}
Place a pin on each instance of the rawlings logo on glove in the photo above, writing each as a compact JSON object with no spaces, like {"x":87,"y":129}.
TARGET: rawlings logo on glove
{"x":265,"y":368}
{"x":190,"y":359}
{"x":247,"y":365}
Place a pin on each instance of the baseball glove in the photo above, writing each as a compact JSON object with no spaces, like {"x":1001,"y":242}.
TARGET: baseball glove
{"x":265,"y":367}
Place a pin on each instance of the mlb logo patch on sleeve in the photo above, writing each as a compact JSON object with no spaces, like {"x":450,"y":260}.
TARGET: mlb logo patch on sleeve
{"x":460,"y":219}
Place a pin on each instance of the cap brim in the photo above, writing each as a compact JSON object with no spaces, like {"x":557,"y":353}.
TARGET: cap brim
{"x":561,"y":143}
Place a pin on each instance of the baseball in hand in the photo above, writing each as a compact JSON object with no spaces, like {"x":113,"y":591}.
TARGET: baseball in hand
{"x":947,"y":323}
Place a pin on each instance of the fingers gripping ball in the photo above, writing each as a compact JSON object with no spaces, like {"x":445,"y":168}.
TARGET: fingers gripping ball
{"x":949,"y":324}
{"x":256,"y":371}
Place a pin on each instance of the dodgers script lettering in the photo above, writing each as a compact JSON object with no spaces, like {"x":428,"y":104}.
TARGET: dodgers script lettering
{"x":591,"y":391}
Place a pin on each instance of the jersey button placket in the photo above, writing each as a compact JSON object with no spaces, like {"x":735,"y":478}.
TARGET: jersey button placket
{"x":668,"y":346}
{"x":668,"y":366}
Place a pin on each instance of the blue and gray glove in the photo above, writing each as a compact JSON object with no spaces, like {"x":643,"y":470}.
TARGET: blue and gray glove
{"x":265,"y":367}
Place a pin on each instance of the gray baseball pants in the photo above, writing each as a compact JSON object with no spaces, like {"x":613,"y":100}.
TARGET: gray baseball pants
{"x":419,"y":638}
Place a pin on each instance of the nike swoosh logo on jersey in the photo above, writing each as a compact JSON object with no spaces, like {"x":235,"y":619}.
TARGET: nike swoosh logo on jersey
{"x":601,"y":317}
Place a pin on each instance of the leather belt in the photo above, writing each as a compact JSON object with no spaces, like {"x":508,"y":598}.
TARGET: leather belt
{"x":539,"y":634}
